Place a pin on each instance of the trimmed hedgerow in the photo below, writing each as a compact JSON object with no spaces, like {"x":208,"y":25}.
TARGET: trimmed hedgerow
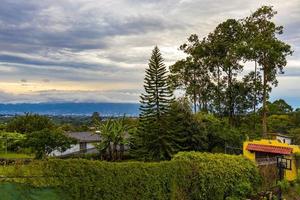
{"x":188,"y":176}
{"x":228,"y":175}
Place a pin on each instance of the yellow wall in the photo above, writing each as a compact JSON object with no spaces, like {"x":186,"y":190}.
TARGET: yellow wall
{"x":289,"y":174}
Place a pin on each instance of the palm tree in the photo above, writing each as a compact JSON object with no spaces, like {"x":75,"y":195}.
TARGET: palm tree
{"x":113,"y":134}
{"x":104,"y":146}
{"x":120,"y":130}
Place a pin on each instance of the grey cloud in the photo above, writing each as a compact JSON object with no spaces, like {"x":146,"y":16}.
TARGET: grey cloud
{"x":26,"y":27}
{"x":57,"y":39}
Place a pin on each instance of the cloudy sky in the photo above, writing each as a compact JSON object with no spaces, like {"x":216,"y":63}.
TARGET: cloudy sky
{"x":96,"y":51}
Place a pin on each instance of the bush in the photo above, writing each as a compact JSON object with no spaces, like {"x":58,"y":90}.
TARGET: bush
{"x":229,"y":175}
{"x":188,"y":176}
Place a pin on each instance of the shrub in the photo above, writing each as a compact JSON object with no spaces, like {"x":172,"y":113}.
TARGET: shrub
{"x":229,"y":175}
{"x":187,"y":176}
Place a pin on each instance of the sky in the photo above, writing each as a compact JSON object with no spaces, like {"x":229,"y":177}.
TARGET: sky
{"x":97,"y":51}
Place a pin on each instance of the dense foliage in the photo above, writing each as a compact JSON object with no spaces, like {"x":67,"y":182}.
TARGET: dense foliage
{"x":210,"y":73}
{"x":152,"y":140}
{"x":188,"y":176}
{"x":114,"y":137}
{"x":39,"y":134}
{"x":11,"y":141}
{"x":29,"y":123}
{"x":45,"y":141}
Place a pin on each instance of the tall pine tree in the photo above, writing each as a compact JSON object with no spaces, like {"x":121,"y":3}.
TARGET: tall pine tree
{"x":152,"y":140}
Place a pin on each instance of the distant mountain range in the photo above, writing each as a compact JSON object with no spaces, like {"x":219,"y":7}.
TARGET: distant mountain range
{"x":105,"y":109}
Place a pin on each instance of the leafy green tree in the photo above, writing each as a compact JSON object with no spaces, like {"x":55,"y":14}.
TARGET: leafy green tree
{"x":253,"y":84}
{"x":224,"y":57}
{"x":43,"y":142}
{"x":296,"y":118}
{"x":29,"y":123}
{"x":2,"y":126}
{"x":120,"y":137}
{"x":187,"y":133}
{"x":11,"y":141}
{"x":95,"y":119}
{"x":183,"y":76}
{"x":268,"y":51}
{"x":114,"y":136}
{"x":295,"y":134}
{"x":106,"y":134}
{"x":193,"y":74}
{"x":152,"y":140}
{"x":279,"y":107}
{"x":279,"y":123}
{"x":219,"y":133}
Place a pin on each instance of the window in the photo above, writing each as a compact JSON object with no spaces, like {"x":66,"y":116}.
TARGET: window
{"x":82,"y":146}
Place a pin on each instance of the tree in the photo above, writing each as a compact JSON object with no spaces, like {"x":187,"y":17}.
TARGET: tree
{"x":187,"y":133}
{"x":269,"y":52}
{"x":104,"y":146}
{"x":11,"y":141}
{"x":120,"y":137}
{"x":96,"y":119}
{"x":295,"y":134}
{"x":43,"y":142}
{"x":29,"y":123}
{"x":114,"y":134}
{"x":279,"y":123}
{"x":219,"y":133}
{"x":279,"y":107}
{"x":152,"y":141}
{"x":296,"y":118}
{"x":253,"y":83}
{"x":193,"y":74}
{"x":183,"y":75}
{"x":224,"y":58}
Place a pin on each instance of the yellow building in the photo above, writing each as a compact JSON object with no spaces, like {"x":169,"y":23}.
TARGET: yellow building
{"x":266,"y":152}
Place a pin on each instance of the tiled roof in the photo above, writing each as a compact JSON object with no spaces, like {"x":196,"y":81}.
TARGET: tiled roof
{"x":84,"y":136}
{"x":269,"y":149}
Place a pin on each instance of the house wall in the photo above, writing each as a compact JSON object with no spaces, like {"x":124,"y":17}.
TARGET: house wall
{"x":284,"y":139}
{"x":74,"y":148}
{"x":289,"y":175}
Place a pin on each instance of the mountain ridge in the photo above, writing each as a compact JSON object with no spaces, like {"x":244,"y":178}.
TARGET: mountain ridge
{"x":70,"y":108}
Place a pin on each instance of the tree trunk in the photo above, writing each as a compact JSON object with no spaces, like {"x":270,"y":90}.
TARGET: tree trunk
{"x":255,"y":91}
{"x":121,"y":151}
{"x":218,"y":93}
{"x":115,"y":152}
{"x":109,"y":152}
{"x":230,"y":98}
{"x":194,"y":91}
{"x":264,"y":108}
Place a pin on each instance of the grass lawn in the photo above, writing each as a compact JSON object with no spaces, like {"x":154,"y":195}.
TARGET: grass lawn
{"x":10,"y":155}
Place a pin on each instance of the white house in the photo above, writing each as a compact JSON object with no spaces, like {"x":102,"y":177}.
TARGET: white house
{"x":85,"y":144}
{"x":281,"y":137}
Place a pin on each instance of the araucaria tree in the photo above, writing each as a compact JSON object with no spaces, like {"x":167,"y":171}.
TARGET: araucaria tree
{"x":152,"y":140}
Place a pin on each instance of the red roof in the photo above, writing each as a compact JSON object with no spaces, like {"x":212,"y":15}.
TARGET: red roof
{"x":269,"y":149}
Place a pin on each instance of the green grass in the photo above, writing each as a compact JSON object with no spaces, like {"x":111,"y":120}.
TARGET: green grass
{"x":10,"y":155}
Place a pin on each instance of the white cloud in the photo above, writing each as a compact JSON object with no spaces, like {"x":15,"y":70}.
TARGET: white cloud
{"x":90,"y":41}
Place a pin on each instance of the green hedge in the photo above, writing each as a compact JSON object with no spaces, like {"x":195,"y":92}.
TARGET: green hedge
{"x":10,"y":191}
{"x":187,"y":176}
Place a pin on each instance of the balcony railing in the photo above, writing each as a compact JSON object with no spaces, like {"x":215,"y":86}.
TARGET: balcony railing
{"x":266,"y":161}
